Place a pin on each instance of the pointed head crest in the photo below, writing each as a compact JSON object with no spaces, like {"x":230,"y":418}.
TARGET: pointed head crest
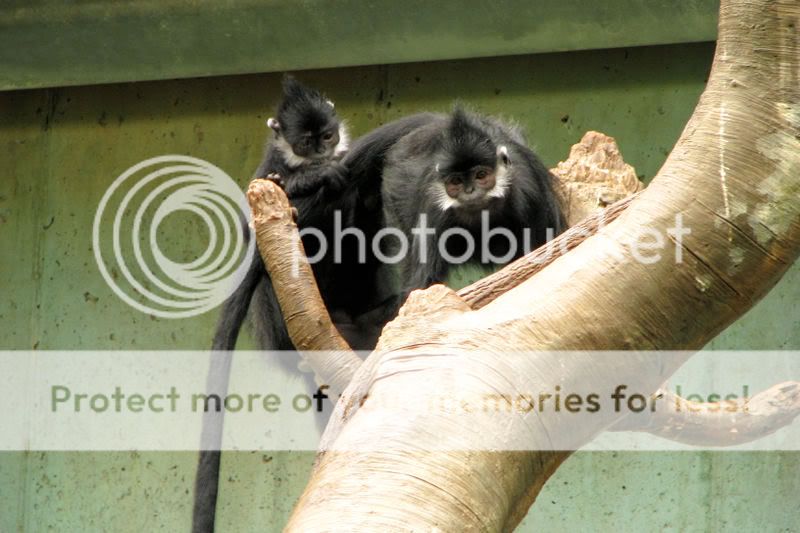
{"x":467,"y":143}
{"x":304,"y":109}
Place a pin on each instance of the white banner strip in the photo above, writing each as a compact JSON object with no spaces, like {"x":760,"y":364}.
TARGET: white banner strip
{"x":123,"y":400}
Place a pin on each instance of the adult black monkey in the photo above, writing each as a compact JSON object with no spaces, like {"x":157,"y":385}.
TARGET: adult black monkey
{"x":304,"y":157}
{"x":469,"y":183}
{"x":486,"y":196}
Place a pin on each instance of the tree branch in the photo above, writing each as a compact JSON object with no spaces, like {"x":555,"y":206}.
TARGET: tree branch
{"x":307,"y":320}
{"x":725,"y":423}
{"x":485,"y":290}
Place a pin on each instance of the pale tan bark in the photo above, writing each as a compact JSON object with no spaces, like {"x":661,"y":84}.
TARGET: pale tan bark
{"x":724,"y":423}
{"x":594,"y":176}
{"x":733,"y":176}
{"x":307,"y":320}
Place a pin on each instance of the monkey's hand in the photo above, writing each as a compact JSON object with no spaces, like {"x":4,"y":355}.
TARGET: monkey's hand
{"x":275,"y":178}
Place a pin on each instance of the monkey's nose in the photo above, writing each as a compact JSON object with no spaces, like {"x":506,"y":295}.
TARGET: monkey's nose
{"x":469,"y":189}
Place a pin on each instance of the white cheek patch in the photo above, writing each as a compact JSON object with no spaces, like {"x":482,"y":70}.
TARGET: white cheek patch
{"x":292,"y":160}
{"x":502,"y":181}
{"x":344,"y":140}
{"x":440,"y":197}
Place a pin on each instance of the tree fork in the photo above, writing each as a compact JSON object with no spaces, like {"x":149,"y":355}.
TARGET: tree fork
{"x":732,"y":178}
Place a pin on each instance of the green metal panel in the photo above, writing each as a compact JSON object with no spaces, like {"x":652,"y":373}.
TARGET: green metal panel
{"x":48,"y":43}
{"x":61,"y":148}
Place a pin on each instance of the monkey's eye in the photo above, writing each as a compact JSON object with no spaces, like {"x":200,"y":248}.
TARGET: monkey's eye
{"x":455,"y":180}
{"x":328,"y":136}
{"x":481,"y":174}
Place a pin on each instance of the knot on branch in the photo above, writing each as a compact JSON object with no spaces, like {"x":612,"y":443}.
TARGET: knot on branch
{"x":435,"y":300}
{"x":594,"y":176}
{"x":268,"y":202}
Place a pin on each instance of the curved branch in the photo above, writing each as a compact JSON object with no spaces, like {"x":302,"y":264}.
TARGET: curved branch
{"x":718,"y":423}
{"x":732,"y":179}
{"x":307,"y":320}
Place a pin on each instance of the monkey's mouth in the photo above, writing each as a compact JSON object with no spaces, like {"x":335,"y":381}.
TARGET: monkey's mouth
{"x":474,"y":200}
{"x":327,"y":154}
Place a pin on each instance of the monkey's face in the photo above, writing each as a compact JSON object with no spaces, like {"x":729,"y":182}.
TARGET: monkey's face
{"x":308,"y":124}
{"x":317,"y":144}
{"x":471,"y":188}
{"x":474,"y":187}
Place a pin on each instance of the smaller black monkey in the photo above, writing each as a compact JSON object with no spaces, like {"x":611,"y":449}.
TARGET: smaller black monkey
{"x":309,"y":140}
{"x":467,"y":173}
{"x":303,"y":157}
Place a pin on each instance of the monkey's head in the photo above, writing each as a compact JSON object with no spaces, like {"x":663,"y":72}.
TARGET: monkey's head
{"x":470,"y":169}
{"x":306,"y":121}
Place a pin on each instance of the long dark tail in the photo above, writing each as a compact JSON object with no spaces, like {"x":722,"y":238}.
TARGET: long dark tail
{"x":230,"y":323}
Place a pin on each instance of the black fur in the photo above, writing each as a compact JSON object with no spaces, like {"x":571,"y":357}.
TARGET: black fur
{"x":308,"y":143}
{"x":449,"y":149}
{"x":304,"y":158}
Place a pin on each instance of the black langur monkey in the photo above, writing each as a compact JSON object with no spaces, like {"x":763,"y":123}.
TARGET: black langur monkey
{"x":466,"y":177}
{"x":309,"y":140}
{"x":471,"y":172}
{"x":304,"y":158}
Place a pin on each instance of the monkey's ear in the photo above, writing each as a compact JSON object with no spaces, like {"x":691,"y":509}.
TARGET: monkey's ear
{"x":502,"y":154}
{"x":273,"y":124}
{"x":330,"y":103}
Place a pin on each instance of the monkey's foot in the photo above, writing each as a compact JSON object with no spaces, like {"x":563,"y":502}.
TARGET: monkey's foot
{"x":267,"y":202}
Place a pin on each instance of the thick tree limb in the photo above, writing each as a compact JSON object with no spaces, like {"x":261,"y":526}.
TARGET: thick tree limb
{"x":732,"y":178}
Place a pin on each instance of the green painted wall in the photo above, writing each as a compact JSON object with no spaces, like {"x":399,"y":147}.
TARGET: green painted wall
{"x":51,"y":43}
{"x":61,"y":148}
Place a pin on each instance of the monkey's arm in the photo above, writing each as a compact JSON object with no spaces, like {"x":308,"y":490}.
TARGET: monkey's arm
{"x":425,"y":266}
{"x":326,"y":179}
